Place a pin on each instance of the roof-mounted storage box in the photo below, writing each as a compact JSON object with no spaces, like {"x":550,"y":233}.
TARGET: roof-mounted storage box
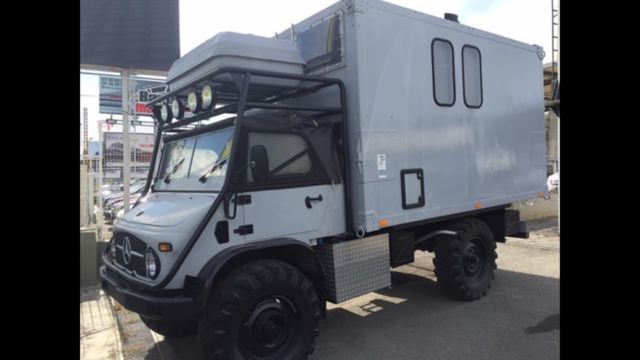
{"x":228,"y":49}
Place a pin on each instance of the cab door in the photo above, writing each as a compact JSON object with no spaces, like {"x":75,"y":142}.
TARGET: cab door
{"x":289,"y":193}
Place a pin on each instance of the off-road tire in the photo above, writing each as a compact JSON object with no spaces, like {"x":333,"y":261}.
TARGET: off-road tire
{"x":171,"y":329}
{"x":236,"y":306}
{"x":465,"y":265}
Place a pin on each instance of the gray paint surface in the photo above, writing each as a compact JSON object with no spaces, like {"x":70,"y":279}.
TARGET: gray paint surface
{"x":471,"y":158}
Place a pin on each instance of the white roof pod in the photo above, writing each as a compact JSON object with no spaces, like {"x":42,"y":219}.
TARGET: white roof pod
{"x":229,"y":49}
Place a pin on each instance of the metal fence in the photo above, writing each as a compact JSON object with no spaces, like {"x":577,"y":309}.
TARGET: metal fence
{"x":102,"y":174}
{"x":90,"y":193}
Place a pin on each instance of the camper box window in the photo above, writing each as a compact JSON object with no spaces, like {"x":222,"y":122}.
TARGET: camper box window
{"x":472,"y":76}
{"x":320,"y":44}
{"x":444,"y":92}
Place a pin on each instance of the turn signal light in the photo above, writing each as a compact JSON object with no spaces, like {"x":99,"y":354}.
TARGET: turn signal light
{"x":165,"y":247}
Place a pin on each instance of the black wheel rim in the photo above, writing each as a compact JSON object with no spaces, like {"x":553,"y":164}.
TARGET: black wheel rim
{"x":269,"y":330}
{"x":474,"y":259}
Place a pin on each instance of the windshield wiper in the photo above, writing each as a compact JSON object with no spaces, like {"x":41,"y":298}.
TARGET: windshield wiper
{"x":167,"y":178}
{"x":215,"y":167}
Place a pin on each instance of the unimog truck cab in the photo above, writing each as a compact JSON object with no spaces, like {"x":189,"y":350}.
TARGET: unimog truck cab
{"x":299,"y":169}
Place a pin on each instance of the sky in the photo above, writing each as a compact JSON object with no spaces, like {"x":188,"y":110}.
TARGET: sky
{"x":528,"y":21}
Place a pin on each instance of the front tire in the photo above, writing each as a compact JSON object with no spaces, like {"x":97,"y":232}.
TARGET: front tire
{"x":265,"y":310}
{"x":465,"y":265}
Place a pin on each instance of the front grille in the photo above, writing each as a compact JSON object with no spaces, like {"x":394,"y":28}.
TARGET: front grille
{"x":136,"y":258}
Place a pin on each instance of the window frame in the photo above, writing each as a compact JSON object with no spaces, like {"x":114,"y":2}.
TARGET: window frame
{"x":203,"y":131}
{"x":464,"y":85}
{"x":317,"y":175}
{"x":453,"y":72}
{"x":324,"y":63}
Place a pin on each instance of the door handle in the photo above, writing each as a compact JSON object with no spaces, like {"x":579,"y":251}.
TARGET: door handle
{"x":308,"y":200}
{"x":244,"y":230}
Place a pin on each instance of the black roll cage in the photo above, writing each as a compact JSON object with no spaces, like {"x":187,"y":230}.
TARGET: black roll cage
{"x":236,"y":97}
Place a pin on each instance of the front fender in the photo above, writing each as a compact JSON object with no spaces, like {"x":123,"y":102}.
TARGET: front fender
{"x":291,"y":251}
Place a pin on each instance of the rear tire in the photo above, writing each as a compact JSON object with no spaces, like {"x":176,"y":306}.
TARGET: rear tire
{"x":265,"y":310}
{"x":465,"y":265}
{"x":171,"y":329}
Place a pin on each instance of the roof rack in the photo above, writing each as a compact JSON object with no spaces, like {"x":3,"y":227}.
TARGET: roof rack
{"x":259,"y":95}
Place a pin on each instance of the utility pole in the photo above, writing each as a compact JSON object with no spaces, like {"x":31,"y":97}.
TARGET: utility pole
{"x":99,"y":214}
{"x":126,"y":149}
{"x":85,"y":132}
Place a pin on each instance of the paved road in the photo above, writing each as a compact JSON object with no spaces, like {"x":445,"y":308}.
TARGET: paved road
{"x":519,"y":319}
{"x":98,"y":334}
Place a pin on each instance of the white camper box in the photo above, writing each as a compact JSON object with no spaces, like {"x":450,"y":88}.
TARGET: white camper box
{"x":419,"y":149}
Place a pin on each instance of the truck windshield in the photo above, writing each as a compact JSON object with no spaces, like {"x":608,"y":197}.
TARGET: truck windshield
{"x":186,"y":160}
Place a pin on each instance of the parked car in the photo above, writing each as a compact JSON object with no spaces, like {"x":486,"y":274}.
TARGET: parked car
{"x":113,"y":202}
{"x":134,"y":188}
{"x":134,"y":183}
{"x":117,"y":207}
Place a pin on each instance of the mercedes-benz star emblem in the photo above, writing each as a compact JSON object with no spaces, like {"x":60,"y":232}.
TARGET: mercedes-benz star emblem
{"x":126,"y":251}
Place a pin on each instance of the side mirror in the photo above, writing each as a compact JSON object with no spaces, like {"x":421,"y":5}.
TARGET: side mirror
{"x":259,"y":163}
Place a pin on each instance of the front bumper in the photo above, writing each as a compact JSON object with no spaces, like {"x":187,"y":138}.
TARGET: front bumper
{"x":165,"y":305}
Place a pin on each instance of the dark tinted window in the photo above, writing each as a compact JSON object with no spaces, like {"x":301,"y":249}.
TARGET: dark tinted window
{"x":472,"y":76}
{"x":444,"y":92}
{"x":320,"y":45}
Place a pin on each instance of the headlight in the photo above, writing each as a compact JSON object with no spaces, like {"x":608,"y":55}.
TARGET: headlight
{"x":177,"y":109}
{"x":207,"y":97}
{"x":194,"y":102}
{"x":152,"y":264}
{"x":112,"y":250}
{"x":165,"y":113}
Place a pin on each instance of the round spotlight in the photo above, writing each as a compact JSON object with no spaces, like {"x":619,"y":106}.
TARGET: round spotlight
{"x":207,"y":97}
{"x":177,"y":109}
{"x":165,"y":113}
{"x":194,"y":102}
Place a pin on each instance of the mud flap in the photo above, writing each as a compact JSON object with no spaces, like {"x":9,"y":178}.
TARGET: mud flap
{"x":513,"y":226}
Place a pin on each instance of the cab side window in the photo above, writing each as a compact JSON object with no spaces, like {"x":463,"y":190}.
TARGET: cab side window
{"x":278,"y":156}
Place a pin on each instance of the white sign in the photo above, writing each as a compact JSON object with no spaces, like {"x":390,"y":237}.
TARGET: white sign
{"x":95,"y":148}
{"x":382,"y":162}
{"x":144,"y":91}
{"x":112,"y":174}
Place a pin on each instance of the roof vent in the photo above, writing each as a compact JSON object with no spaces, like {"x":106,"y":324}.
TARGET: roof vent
{"x":452,"y":17}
